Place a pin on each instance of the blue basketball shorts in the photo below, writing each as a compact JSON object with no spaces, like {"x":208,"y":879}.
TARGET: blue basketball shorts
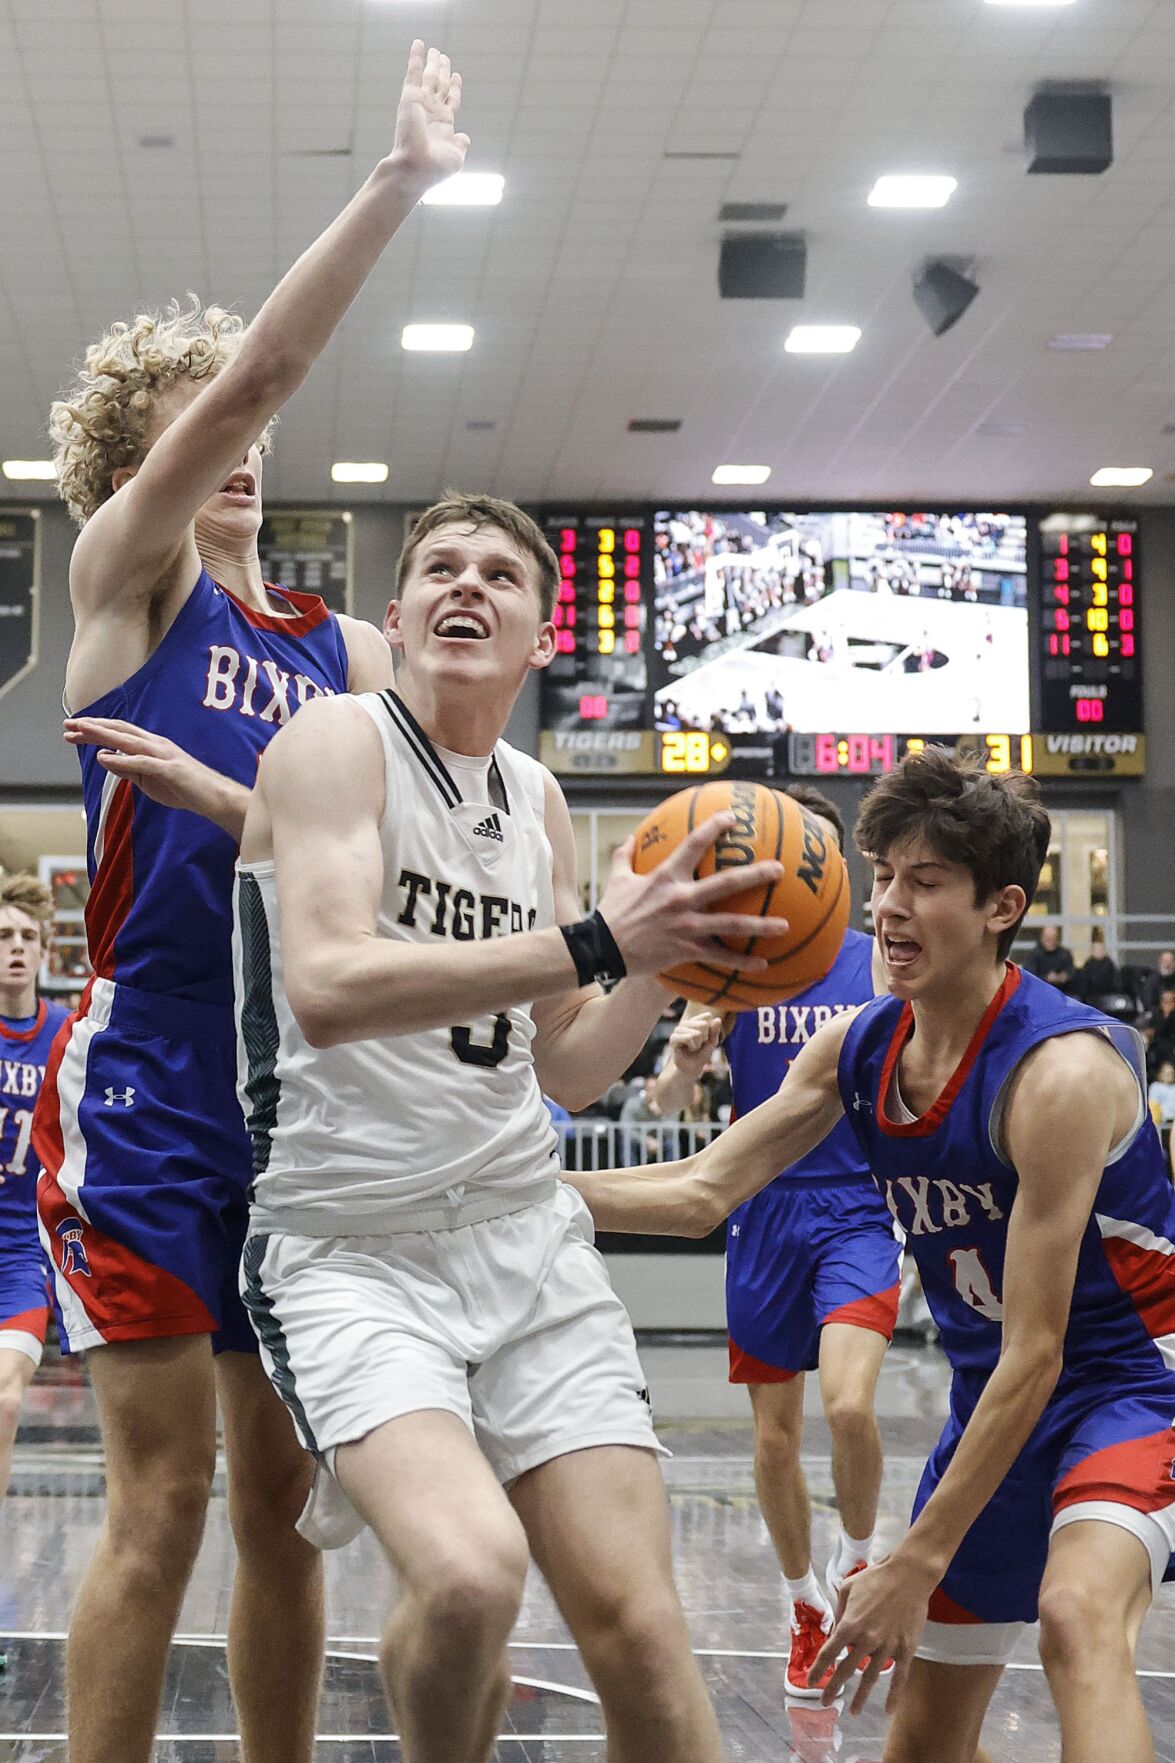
{"x":142,"y":1197}
{"x":801,"y":1256}
{"x":24,"y":1301}
{"x":1104,"y":1451}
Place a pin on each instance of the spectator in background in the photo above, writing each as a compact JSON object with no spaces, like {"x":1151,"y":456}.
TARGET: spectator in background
{"x":640,"y":1119}
{"x":1158,"y":1028}
{"x":1050,"y":960}
{"x":1163,"y":975}
{"x":1161,"y":1096}
{"x":1099,"y":977}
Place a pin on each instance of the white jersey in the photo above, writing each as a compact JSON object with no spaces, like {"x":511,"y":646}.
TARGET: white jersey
{"x":442,"y":1125}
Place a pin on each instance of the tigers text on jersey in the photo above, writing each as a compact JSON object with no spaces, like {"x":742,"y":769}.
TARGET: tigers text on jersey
{"x":762,"y":1044}
{"x":24,"y":1053}
{"x":952,"y":1190}
{"x":221,"y":683}
{"x":366,"y":1136}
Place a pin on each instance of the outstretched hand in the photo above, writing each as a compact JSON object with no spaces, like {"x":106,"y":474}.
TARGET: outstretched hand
{"x":161,"y":769}
{"x":427,"y":148}
{"x":881,"y":1615}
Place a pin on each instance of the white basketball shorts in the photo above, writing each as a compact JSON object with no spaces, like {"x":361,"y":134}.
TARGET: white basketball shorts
{"x":510,"y":1323}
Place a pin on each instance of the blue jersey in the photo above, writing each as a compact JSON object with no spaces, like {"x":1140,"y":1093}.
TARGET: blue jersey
{"x":23,"y":1056}
{"x":221,"y":683}
{"x":763,"y":1042}
{"x":952,"y":1189}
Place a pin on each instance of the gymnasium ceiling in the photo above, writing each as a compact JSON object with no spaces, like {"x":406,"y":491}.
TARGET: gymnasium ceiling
{"x":621,"y":126}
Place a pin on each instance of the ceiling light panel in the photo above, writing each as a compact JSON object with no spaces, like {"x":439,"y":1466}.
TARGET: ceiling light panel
{"x":741,"y":474}
{"x":822,"y":339}
{"x":469,"y":189}
{"x":911,"y":190}
{"x":28,"y":470}
{"x":359,"y":471}
{"x":442,"y":339}
{"x":1121,"y":477}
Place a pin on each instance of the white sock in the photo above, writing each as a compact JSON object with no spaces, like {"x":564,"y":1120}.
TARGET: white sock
{"x":807,"y":1591}
{"x":850,"y":1550}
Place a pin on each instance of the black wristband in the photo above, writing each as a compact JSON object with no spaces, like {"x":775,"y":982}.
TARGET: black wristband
{"x":593,"y":949}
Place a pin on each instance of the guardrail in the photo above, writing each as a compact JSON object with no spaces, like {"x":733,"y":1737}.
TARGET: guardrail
{"x":594,"y":1142}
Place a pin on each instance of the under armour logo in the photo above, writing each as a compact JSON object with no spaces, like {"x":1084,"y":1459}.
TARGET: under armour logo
{"x":126,"y":1097}
{"x":735,"y":1229}
{"x":73,"y":1257}
{"x":860,"y":1105}
{"x":489,"y":828}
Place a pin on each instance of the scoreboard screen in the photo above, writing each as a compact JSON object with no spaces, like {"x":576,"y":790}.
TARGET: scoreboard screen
{"x":1090,"y":663}
{"x":799,"y":644}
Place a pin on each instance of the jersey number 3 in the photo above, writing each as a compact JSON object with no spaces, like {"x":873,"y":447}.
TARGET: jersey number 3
{"x":973,"y":1285}
{"x":471,"y":1052}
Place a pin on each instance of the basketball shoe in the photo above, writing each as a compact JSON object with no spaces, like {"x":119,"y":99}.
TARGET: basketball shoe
{"x":810,"y":1628}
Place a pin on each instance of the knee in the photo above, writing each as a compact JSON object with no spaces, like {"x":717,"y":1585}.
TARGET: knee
{"x":156,"y":1525}
{"x":849,"y":1415}
{"x":266,"y":1500}
{"x":10,"y":1406}
{"x":636,"y":1634}
{"x":471,"y":1603}
{"x":778,"y":1439}
{"x":1074,"y":1630}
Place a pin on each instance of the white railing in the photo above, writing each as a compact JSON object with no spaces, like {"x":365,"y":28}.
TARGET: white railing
{"x":594,"y":1142}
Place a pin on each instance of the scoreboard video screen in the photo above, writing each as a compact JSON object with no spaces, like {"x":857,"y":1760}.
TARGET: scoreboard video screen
{"x":805,"y":643}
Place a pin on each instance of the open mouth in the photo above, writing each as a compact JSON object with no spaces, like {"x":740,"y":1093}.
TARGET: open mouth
{"x":240,"y":486}
{"x":900,"y":952}
{"x":465,"y":627}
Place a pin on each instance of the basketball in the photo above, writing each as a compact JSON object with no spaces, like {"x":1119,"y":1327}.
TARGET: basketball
{"x":812,"y":894}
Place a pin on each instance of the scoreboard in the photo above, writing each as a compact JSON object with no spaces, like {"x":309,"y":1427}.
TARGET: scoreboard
{"x":866,"y":614}
{"x":1090,"y":673}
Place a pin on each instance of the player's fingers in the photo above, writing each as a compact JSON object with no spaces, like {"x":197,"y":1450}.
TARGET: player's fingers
{"x":897,"y":1682}
{"x":444,"y":76}
{"x":741,"y":925}
{"x":728,"y":882}
{"x":455,"y":94}
{"x":695,"y":844}
{"x":846,"y":1669}
{"x":431,"y":72}
{"x":867,"y":1681}
{"x":415,"y":69}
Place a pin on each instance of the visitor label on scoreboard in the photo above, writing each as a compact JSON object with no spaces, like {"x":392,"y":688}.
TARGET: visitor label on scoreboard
{"x":309,"y":550}
{"x":1090,"y":635}
{"x":19,"y":589}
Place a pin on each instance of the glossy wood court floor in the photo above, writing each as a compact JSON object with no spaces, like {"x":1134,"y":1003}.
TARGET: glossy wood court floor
{"x":725,"y":1566}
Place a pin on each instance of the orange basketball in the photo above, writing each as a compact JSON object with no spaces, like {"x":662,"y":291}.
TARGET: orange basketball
{"x":813,"y":893}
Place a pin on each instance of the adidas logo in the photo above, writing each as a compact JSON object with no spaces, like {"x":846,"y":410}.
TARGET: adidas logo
{"x":489,"y":828}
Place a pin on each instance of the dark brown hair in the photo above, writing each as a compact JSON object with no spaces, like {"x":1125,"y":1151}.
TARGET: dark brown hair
{"x":808,"y":796}
{"x":996,"y":827}
{"x":478,"y":511}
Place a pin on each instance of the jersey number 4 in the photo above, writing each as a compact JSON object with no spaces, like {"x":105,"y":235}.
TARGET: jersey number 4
{"x":471,"y":1052}
{"x":973,"y":1284}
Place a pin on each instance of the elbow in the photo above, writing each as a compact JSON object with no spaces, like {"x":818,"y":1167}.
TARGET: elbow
{"x":705,"y":1210}
{"x":318,"y":1010}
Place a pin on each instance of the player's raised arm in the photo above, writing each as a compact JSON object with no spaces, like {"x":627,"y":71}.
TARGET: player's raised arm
{"x":692,"y":1197}
{"x":1073,"y":1100}
{"x":133,"y":538}
{"x":691,"y":1043}
{"x":318,"y":808}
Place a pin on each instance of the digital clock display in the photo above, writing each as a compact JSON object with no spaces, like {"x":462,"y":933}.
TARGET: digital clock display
{"x":873,"y":755}
{"x":1090,"y":637}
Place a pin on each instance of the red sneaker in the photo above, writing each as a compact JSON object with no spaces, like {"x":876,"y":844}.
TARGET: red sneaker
{"x":835,"y":1580}
{"x":810,"y":1628}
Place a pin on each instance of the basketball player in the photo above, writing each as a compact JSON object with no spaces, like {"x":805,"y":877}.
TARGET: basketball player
{"x":180,"y":646}
{"x":1007,"y":1126}
{"x":27,"y":1028}
{"x":813,"y":1275}
{"x":425,"y":1290}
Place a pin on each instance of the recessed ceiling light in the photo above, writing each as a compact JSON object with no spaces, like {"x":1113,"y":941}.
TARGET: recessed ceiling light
{"x":444,"y":338}
{"x":741,"y":474}
{"x":1082,"y":340}
{"x":653,"y":425}
{"x":822,"y":339}
{"x":908,"y":191}
{"x":1030,"y":2}
{"x":468,"y":189}
{"x":156,"y":141}
{"x":1123,"y":477}
{"x":358,"y":471}
{"x":30,"y":468}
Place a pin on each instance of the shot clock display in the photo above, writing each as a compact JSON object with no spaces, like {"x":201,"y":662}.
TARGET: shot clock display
{"x":688,"y":643}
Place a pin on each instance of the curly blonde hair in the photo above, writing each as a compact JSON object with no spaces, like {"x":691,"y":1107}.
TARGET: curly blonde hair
{"x":30,"y":896}
{"x":99,"y":424}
